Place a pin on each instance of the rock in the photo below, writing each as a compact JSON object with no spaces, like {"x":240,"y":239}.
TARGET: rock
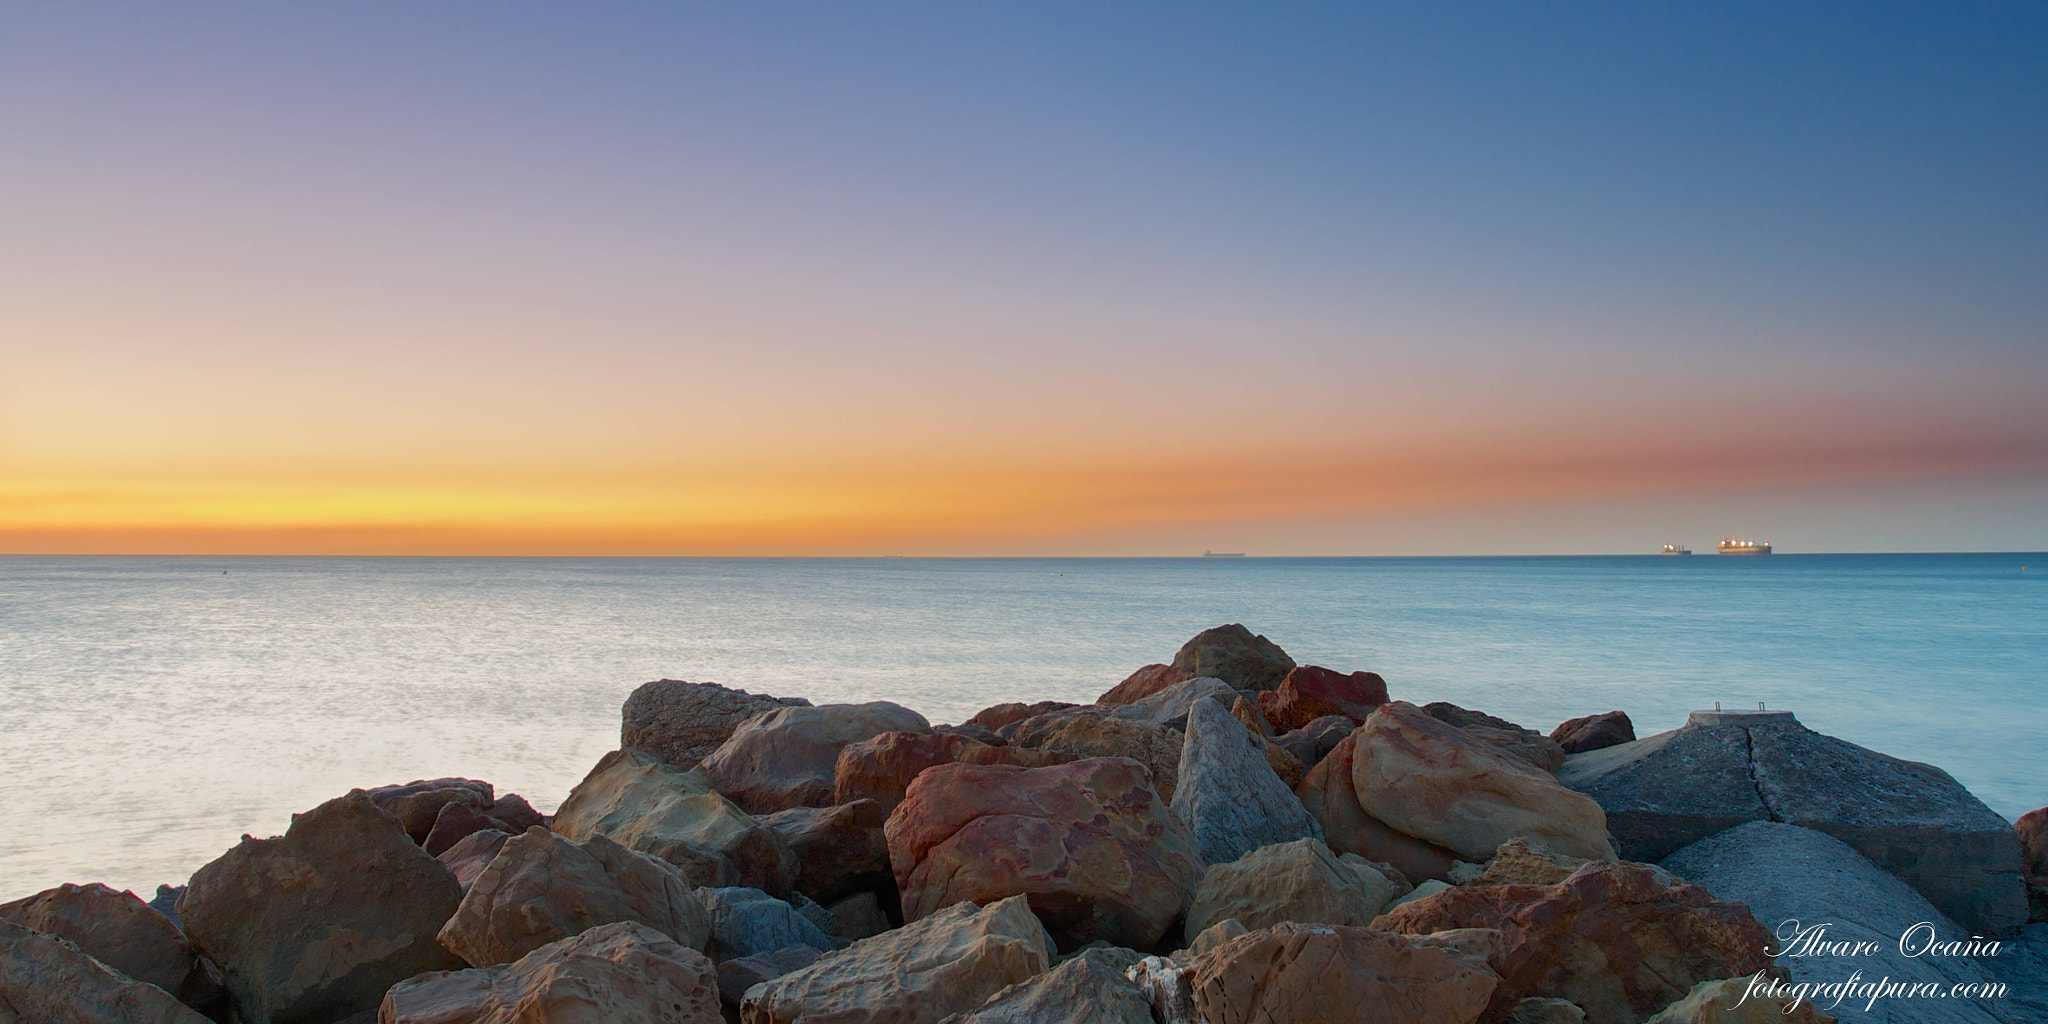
{"x":786,"y":757}
{"x":165,"y":902}
{"x":1117,"y":958}
{"x":1519,"y":862}
{"x":510,"y":814}
{"x":1090,"y":843}
{"x":620,"y":973}
{"x":1310,"y":692}
{"x":1209,"y":938}
{"x":859,"y":916}
{"x":977,"y":733}
{"x":47,"y":980}
{"x":1301,"y":881}
{"x":1729,"y":1001}
{"x":646,"y":805}
{"x":840,"y":849}
{"x":1594,"y":732}
{"x":1331,"y":796}
{"x":1165,"y":984}
{"x":1538,"y":750}
{"x":121,"y":931}
{"x":1143,"y":683}
{"x":1314,"y":741}
{"x":1227,"y":794}
{"x":737,"y":975}
{"x":1334,"y":974}
{"x":543,"y":888}
{"x":316,"y":924}
{"x":880,"y":768}
{"x":748,"y":921}
{"x":682,"y":723}
{"x":1373,"y":873}
{"x":1289,"y":770}
{"x":1621,"y":941}
{"x":994,"y":718}
{"x":1546,"y":1011}
{"x":472,"y":853}
{"x":1911,"y":819}
{"x":1428,"y":888}
{"x":417,"y":803}
{"x":1233,"y":654}
{"x":1466,"y":718}
{"x":1168,"y":708}
{"x":1787,"y":873}
{"x":1085,"y":732}
{"x":947,"y":963}
{"x":2033,"y":830}
{"x":1246,"y":710}
{"x":1079,"y":991}
{"x":1438,"y":784}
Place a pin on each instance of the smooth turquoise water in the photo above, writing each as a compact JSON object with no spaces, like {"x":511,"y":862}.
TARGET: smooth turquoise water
{"x":155,"y":708}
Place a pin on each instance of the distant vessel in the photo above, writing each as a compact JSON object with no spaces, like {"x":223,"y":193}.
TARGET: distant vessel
{"x":1745,"y":547}
{"x":1222,"y":554}
{"x":1676,"y":549}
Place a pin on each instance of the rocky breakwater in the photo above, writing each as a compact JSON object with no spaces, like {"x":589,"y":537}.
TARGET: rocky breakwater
{"x":1226,"y":837}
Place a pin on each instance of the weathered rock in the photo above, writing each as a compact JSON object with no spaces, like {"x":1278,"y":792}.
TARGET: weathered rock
{"x":922,"y":973}
{"x":1228,"y":795}
{"x":1301,"y":881}
{"x":1235,"y":655}
{"x":682,"y":723}
{"x":2033,"y":830}
{"x":417,"y":803}
{"x":1090,"y":843}
{"x":1284,"y":764}
{"x":1428,"y":888}
{"x":840,"y":848}
{"x":1085,"y":732}
{"x":472,"y":853}
{"x":1310,"y":692}
{"x":745,"y":922}
{"x":646,"y":805}
{"x":621,"y":973}
{"x":316,"y":924}
{"x":786,"y":757}
{"x":1620,"y":940}
{"x":1168,"y":708}
{"x":1729,"y":1001}
{"x":880,"y":768}
{"x":1143,"y":683}
{"x":1246,"y":710}
{"x":1466,"y":718}
{"x":1334,"y":974}
{"x":509,"y":814}
{"x":119,"y":930}
{"x":996,"y":717}
{"x":859,"y":916}
{"x":1594,"y":732}
{"x":47,"y":980}
{"x":1374,"y":873}
{"x":1786,"y":873}
{"x":1331,"y":796}
{"x":1209,"y":938}
{"x":1164,"y":982}
{"x":1911,"y":819}
{"x":1546,"y":1011}
{"x":542,"y":888}
{"x":1538,"y":750}
{"x":1437,"y":783}
{"x":1079,"y":991}
{"x":1314,"y":741}
{"x":1520,"y":862}
{"x":977,"y":733}
{"x":737,"y":975}
{"x":1116,"y":958}
{"x":165,"y":902}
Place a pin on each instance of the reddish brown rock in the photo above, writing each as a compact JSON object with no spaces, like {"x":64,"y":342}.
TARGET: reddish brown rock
{"x":1143,"y":683}
{"x":2033,"y":830}
{"x":1099,"y":855}
{"x":1310,"y":692}
{"x":786,"y":757}
{"x":1235,"y":655}
{"x":121,"y":931}
{"x":620,"y":973}
{"x":1336,"y":975}
{"x":1594,"y":732}
{"x":1314,"y":741}
{"x":46,"y":980}
{"x":995,"y":718}
{"x":840,"y":848}
{"x":472,"y":854}
{"x":542,"y":888}
{"x":1246,"y":710}
{"x":1329,"y":793}
{"x":510,"y":814}
{"x":1613,"y":938}
{"x":682,"y":723}
{"x":881,"y":768}
{"x":416,"y":804}
{"x":1085,"y":732}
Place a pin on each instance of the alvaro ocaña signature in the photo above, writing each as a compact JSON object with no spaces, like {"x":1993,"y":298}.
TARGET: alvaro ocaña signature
{"x":1917,"y":941}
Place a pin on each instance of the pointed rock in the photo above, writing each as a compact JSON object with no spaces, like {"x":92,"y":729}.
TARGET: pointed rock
{"x":1227,"y":793}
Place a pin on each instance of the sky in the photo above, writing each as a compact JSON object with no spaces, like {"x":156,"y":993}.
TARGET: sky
{"x":1022,"y":279}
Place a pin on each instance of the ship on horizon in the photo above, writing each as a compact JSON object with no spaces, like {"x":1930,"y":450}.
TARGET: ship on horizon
{"x":1732,"y":546}
{"x":1676,"y":549}
{"x":1222,"y":554}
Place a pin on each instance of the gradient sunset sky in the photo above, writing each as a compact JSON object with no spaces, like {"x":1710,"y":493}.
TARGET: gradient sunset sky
{"x":1022,"y":278}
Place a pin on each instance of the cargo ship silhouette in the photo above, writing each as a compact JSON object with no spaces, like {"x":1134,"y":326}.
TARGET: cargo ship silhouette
{"x":1745,"y":547}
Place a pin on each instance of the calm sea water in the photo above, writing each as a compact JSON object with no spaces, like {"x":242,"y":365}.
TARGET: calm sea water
{"x":155,"y":709}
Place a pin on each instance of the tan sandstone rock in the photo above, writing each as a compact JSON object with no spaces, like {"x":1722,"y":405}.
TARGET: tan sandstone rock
{"x":1520,"y":862}
{"x":121,"y":931}
{"x":1142,"y":684}
{"x":1080,"y":991}
{"x":1085,"y":732}
{"x":1236,"y":655}
{"x":786,"y":758}
{"x":647,"y":805}
{"x":1729,"y":1001}
{"x":681,"y":723}
{"x":620,"y":973}
{"x":46,"y":980}
{"x":542,"y":888}
{"x":1335,"y":975}
{"x":880,"y":768}
{"x":1301,"y":881}
{"x":1329,"y":793}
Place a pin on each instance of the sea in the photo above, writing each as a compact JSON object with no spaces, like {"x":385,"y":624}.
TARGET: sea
{"x":155,"y":710}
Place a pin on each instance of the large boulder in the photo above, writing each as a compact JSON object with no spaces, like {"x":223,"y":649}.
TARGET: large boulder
{"x":840,"y":848}
{"x":1168,"y":708}
{"x":509,"y":813}
{"x":786,"y":758}
{"x":647,"y":805}
{"x":1085,"y":732}
{"x":1724,"y":769}
{"x":1235,"y":655}
{"x":737,"y":975}
{"x":1314,"y":741}
{"x":922,"y":973}
{"x":1301,"y":881}
{"x":1310,"y":692}
{"x":1141,"y":684}
{"x":1594,"y":732}
{"x":1619,"y":940}
{"x":682,"y":723}
{"x":1799,"y":881}
{"x":1227,"y":793}
{"x":121,"y":931}
{"x":1090,"y":843}
{"x":542,"y":888}
{"x":1336,"y":974}
{"x":418,"y":803}
{"x":1330,"y":794}
{"x":1527,"y":744}
{"x":880,"y":768}
{"x":1080,"y":991}
{"x":994,"y":717}
{"x":1738,"y":1001}
{"x":314,"y":925}
{"x":747,"y":922}
{"x":621,"y":973}
{"x":47,"y":980}
{"x":2033,"y":830}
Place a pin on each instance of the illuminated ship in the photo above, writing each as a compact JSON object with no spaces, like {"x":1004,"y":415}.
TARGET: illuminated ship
{"x":1676,"y":549}
{"x":1745,"y":547}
